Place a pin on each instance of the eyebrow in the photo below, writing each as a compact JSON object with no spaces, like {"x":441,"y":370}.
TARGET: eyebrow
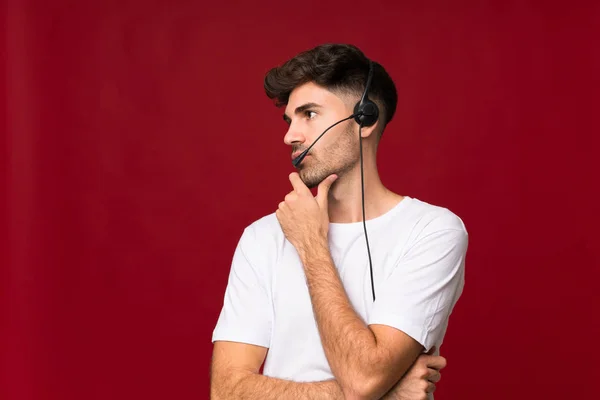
{"x":301,"y":109}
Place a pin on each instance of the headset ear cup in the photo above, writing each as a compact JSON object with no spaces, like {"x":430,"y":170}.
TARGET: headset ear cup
{"x":366,"y":113}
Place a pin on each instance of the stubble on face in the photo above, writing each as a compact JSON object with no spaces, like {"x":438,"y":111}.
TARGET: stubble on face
{"x":338,"y":158}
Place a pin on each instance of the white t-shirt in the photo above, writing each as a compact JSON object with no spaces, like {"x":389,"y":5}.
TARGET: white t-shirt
{"x":418,"y":255}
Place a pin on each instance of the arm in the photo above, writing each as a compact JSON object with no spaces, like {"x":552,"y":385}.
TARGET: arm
{"x":235,"y":367}
{"x":235,"y":375}
{"x":242,"y":336}
{"x":410,"y":316}
{"x":367,"y":361}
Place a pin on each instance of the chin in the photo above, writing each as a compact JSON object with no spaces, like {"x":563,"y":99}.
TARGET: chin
{"x":310,"y":183}
{"x":312,"y":180}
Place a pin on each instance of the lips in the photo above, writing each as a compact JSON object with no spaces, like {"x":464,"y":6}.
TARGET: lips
{"x":296,"y":154}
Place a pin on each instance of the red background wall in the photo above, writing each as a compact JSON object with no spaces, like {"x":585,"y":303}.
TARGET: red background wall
{"x":139,"y":144}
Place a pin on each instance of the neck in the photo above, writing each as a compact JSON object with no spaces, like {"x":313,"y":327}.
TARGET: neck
{"x":345,"y":200}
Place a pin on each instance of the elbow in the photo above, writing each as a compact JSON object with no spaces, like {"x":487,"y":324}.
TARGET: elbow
{"x":351,"y":394}
{"x":364,"y":388}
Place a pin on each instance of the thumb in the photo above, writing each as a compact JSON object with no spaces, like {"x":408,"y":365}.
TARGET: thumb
{"x":323,"y":189}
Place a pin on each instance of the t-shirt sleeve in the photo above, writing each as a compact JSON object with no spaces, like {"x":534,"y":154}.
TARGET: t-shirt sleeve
{"x":420,"y":293}
{"x":246,"y":315}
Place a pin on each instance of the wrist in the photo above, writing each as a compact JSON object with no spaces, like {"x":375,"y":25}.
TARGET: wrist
{"x":313,"y":250}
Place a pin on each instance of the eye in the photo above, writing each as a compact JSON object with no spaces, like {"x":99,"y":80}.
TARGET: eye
{"x":310,"y":114}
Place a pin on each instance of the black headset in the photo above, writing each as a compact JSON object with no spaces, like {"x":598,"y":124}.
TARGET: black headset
{"x":365,"y":113}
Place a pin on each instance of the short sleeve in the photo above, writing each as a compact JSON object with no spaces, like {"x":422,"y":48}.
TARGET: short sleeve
{"x":246,"y":315}
{"x":420,"y":293}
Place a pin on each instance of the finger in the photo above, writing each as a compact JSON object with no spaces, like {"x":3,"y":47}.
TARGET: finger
{"x":323,"y":190}
{"x":430,"y":387}
{"x":433,"y":375}
{"x":439,"y":363}
{"x":435,"y":362}
{"x":297,"y":183}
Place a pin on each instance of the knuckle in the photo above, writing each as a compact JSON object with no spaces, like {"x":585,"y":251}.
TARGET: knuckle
{"x":291,"y":196}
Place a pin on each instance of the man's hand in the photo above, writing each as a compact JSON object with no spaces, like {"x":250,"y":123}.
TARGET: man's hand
{"x":304,"y":218}
{"x":419,"y":380}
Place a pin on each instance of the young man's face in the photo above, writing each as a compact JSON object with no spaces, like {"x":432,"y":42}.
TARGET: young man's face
{"x":312,"y":109}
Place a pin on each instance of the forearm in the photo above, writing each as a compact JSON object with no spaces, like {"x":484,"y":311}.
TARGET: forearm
{"x":349,"y":344}
{"x":249,"y":386}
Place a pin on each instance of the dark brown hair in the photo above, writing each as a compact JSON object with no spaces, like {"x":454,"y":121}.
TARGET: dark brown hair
{"x":341,"y":68}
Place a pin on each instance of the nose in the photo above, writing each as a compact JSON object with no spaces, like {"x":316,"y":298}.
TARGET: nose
{"x":294,"y":135}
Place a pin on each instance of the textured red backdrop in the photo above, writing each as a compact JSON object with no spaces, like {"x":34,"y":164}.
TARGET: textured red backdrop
{"x":139,"y":144}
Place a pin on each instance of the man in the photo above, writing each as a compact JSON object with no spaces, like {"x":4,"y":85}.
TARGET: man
{"x":299,"y":295}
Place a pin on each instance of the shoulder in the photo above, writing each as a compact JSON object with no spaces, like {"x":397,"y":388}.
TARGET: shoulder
{"x":433,"y":220}
{"x":435,"y":217}
{"x":262,"y":238}
{"x":258,"y":248}
{"x":263,"y":229}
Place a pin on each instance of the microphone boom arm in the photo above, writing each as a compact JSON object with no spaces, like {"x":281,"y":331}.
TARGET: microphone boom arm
{"x":296,"y":161}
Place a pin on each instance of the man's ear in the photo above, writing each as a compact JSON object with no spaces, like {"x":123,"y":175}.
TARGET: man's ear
{"x":368,"y":131}
{"x":351,"y":100}
{"x":375,"y":129}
